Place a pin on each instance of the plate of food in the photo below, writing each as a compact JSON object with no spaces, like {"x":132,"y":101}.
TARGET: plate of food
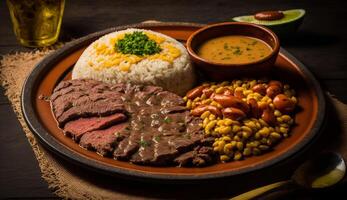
{"x":174,"y":101}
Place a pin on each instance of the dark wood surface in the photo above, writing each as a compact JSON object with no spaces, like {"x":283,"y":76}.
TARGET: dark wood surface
{"x":320,"y":44}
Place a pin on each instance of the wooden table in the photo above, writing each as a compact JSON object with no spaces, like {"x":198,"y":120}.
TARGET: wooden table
{"x":320,"y":44}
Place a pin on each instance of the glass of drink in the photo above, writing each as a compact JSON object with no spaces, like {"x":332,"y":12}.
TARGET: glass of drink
{"x":36,"y":23}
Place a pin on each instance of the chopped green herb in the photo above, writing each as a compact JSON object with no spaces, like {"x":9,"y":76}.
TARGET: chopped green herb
{"x":237,"y":52}
{"x":254,"y":43}
{"x":248,"y":49}
{"x":167,"y":120}
{"x":226,"y":47}
{"x":137,"y":43}
{"x":144,"y":143}
{"x":157,"y":138}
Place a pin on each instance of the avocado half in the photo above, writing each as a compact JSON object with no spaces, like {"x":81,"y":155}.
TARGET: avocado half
{"x":284,"y":27}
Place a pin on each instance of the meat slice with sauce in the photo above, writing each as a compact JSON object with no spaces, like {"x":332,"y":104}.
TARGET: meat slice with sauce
{"x":143,"y":125}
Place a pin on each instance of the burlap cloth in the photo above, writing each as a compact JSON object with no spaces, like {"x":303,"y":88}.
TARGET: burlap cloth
{"x":68,"y":181}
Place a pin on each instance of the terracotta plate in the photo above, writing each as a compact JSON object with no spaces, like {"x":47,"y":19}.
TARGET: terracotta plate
{"x":58,"y":66}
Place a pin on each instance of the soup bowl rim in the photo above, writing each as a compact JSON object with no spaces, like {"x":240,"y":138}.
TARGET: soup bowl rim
{"x":274,"y":50}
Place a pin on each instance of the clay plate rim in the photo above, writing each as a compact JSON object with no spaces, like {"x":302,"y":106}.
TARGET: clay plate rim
{"x":28,"y":102}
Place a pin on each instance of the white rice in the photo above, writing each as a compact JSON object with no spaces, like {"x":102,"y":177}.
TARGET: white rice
{"x":177,"y":76}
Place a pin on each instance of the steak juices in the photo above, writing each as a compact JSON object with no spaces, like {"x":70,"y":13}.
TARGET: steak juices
{"x":141,"y":124}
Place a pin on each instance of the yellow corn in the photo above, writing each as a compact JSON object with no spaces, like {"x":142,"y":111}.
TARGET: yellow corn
{"x":219,"y":90}
{"x":286,"y":118}
{"x":224,"y":158}
{"x":226,"y":139}
{"x":227,"y":121}
{"x":225,"y":130}
{"x":196,"y":99}
{"x":246,"y":129}
{"x":279,"y":119}
{"x":236,"y":128}
{"x":210,"y":125}
{"x":275,"y":135}
{"x":247,"y":152}
{"x":189,"y":104}
{"x":205,"y":114}
{"x":294,"y":99}
{"x":212,"y":117}
{"x":228,"y":146}
{"x":216,"y":143}
{"x":205,"y":122}
{"x":262,"y":122}
{"x":239,"y":145}
{"x":277,"y":113}
{"x":237,"y":156}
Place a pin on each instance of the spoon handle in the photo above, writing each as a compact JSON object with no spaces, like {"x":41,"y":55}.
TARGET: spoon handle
{"x":262,"y":190}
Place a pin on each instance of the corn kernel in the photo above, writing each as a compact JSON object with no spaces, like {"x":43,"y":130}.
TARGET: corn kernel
{"x":227,"y":122}
{"x":277,"y":113}
{"x":189,"y":104}
{"x":212,"y":117}
{"x":210,"y":125}
{"x":225,"y":130}
{"x":224,"y":158}
{"x":237,"y":156}
{"x":205,"y":114}
{"x":226,"y":138}
{"x":219,"y":90}
{"x":236,"y":128}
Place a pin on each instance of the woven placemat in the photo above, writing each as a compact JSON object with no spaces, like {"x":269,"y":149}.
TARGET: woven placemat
{"x":71,"y":182}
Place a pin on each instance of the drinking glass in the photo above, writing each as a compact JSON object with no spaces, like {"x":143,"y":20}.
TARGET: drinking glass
{"x":36,"y":23}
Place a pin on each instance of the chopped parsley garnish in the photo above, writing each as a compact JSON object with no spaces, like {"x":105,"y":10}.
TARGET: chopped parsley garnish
{"x":157,"y":138}
{"x":137,"y":43}
{"x":254,"y":43}
{"x":167,"y":120}
{"x":237,"y":52}
{"x":144,"y":143}
{"x":226,"y":47}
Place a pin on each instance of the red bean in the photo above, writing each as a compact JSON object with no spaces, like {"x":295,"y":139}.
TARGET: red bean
{"x":273,"y":90}
{"x":283,"y":103}
{"x":254,"y":109}
{"x":259,"y":88}
{"x":233,"y":113}
{"x":231,"y":101}
{"x":195,"y":92}
{"x":269,"y":117}
{"x":202,"y":108}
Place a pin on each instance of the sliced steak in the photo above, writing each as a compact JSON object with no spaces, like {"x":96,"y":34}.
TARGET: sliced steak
{"x":103,"y":141}
{"x":90,"y":110}
{"x":200,"y":156}
{"x":125,"y":151}
{"x":163,"y":151}
{"x":160,"y":130}
{"x":82,"y":125}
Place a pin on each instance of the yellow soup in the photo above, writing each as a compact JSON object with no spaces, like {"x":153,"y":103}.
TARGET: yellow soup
{"x":235,"y":49}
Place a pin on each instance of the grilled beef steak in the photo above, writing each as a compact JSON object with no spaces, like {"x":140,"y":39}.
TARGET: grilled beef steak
{"x":159,"y":129}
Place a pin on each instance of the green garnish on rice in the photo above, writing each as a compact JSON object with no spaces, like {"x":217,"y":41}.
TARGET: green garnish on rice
{"x":137,"y":43}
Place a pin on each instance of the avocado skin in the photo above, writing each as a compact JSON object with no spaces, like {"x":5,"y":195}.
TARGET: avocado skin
{"x":286,"y":30}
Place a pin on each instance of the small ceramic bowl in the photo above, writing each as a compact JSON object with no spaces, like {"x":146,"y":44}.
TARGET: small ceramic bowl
{"x":220,"y":71}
